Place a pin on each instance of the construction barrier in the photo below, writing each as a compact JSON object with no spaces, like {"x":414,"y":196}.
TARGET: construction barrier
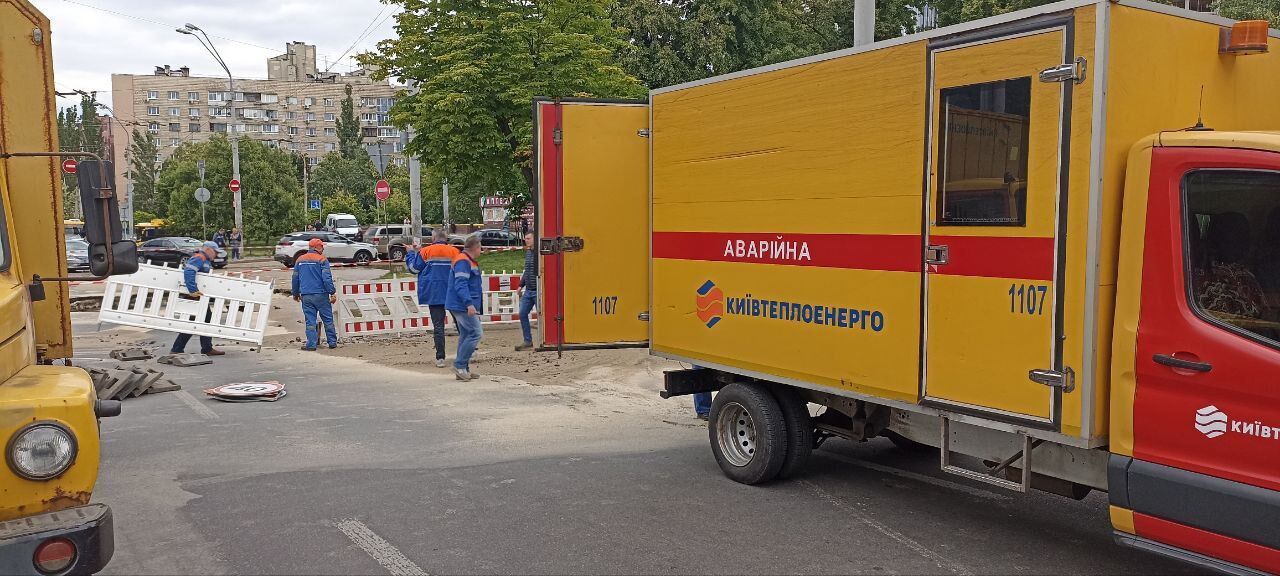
{"x":391,"y":306}
{"x":155,"y":297}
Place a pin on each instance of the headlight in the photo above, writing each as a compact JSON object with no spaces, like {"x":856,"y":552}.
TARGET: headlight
{"x":42,"y":450}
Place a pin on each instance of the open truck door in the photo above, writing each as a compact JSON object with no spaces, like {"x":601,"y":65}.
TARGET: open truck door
{"x":592,"y":159}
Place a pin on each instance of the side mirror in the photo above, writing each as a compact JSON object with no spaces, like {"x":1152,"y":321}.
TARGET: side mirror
{"x":102,"y":221}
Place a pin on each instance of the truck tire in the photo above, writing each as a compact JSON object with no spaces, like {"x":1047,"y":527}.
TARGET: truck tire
{"x":748,"y":434}
{"x":397,"y":254}
{"x":795,"y":415}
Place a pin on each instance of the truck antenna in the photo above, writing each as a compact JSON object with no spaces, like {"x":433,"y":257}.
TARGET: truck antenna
{"x":1200,"y":127}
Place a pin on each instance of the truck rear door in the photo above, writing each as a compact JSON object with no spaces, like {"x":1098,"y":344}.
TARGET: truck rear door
{"x":997,"y":173}
{"x":592,"y":160}
{"x":1204,"y":475}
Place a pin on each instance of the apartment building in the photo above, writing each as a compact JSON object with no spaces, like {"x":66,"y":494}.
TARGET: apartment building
{"x":295,"y":109}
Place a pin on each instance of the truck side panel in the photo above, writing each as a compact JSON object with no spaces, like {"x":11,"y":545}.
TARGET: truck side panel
{"x":28,"y":124}
{"x":786,"y":222}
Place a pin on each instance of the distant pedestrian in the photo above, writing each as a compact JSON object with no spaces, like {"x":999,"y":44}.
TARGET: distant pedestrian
{"x":236,"y":240}
{"x":528,"y":291}
{"x":408,"y":222}
{"x":433,"y":264}
{"x":313,"y":287}
{"x":464,"y":302}
{"x":201,"y":261}
{"x":317,"y":226}
{"x":220,"y":238}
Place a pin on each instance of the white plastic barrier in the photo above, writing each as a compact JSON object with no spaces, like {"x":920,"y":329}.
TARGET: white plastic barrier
{"x":391,"y":306}
{"x":230,"y":308}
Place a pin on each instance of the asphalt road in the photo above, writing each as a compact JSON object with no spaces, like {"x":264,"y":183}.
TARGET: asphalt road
{"x":366,"y":469}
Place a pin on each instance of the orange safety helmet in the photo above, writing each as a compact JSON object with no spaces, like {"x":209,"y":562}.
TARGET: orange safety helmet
{"x":316,"y":244}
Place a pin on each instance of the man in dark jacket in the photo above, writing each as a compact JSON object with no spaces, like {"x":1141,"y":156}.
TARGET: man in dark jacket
{"x":465,"y":302}
{"x":313,"y":287}
{"x":434,"y":266}
{"x":528,"y":291}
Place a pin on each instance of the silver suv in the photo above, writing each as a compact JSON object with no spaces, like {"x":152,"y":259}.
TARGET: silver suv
{"x":393,"y":240}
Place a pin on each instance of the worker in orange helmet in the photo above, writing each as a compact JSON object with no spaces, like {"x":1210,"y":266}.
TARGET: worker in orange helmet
{"x":313,"y":286}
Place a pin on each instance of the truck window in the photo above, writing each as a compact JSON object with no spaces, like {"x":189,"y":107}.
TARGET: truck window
{"x":982,"y":166}
{"x":1233,"y":250}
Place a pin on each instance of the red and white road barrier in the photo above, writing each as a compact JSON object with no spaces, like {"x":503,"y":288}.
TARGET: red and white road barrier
{"x":391,"y":306}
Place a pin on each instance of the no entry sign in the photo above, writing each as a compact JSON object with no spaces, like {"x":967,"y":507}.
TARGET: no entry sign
{"x":69,"y":165}
{"x":382,"y":190}
{"x":234,"y":185}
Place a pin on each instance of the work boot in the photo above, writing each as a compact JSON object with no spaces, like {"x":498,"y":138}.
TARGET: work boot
{"x":461,"y":374}
{"x":332,"y":346}
{"x":215,"y":352}
{"x":474,"y":375}
{"x":309,"y":348}
{"x":525,"y":346}
{"x":439,"y":362}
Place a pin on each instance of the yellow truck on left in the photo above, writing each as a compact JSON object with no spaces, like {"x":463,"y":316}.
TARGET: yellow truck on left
{"x":48,"y":413}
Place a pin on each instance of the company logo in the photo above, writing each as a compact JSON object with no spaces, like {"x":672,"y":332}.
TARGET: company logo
{"x":1211,"y":421}
{"x":710,"y":303}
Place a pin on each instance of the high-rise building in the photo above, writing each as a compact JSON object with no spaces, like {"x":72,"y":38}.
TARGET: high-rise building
{"x":295,"y":109}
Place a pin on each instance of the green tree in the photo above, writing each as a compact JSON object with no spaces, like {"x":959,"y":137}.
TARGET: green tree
{"x":272,"y":195}
{"x":344,"y":202}
{"x":144,"y":171}
{"x":685,"y":40}
{"x":78,"y":130}
{"x":350,"y":144}
{"x":1268,"y":10}
{"x":336,"y":173}
{"x":477,"y":64}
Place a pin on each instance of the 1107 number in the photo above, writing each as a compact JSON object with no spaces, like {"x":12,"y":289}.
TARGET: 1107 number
{"x":1027,"y":299}
{"x":605,"y":305}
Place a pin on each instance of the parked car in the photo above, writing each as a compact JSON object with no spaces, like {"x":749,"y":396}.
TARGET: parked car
{"x":393,"y":240}
{"x":77,"y":254}
{"x":175,"y":250}
{"x":491,"y":239}
{"x":337,"y":248}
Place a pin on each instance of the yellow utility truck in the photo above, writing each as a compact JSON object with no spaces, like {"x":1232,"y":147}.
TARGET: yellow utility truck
{"x":48,"y":413}
{"x":1046,"y":243}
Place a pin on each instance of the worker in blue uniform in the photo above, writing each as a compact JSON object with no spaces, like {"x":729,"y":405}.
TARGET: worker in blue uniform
{"x":201,"y":261}
{"x":313,"y":287}
{"x":433,"y":264}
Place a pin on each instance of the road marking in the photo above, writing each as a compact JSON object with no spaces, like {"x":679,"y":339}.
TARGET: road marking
{"x":976,"y":492}
{"x":378,"y":549}
{"x":942,"y":561}
{"x":195,"y":405}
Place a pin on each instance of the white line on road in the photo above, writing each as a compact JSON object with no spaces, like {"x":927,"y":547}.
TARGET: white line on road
{"x":942,"y":561}
{"x":195,"y":405}
{"x":378,"y":549}
{"x":977,"y":492}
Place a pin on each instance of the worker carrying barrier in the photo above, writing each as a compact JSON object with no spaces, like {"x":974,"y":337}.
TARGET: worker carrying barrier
{"x":156,"y":297}
{"x":391,"y":306}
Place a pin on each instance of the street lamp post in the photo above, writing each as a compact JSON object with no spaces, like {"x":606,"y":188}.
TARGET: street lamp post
{"x":190,"y":30}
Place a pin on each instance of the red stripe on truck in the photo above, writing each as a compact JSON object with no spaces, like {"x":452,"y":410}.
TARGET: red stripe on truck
{"x":985,"y":256}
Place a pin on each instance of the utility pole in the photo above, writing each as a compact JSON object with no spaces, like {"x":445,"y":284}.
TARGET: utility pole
{"x":415,"y":179}
{"x":190,"y":30}
{"x":445,"y":194}
{"x":864,"y":22}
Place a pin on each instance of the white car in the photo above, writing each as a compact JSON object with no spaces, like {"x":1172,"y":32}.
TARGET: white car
{"x":337,"y":248}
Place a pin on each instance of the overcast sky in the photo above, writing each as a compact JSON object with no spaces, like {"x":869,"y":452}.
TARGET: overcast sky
{"x":93,"y":39}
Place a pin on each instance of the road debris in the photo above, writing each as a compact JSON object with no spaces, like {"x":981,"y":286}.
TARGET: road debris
{"x":184,"y":359}
{"x":269,"y":391}
{"x":131,"y":354}
{"x":119,"y":384}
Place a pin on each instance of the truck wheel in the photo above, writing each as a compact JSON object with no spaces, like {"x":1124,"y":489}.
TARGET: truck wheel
{"x":795,"y":415}
{"x":397,"y":254}
{"x":748,"y":434}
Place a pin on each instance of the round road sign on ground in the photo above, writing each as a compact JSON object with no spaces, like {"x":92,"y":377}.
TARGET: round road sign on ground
{"x":69,"y":165}
{"x":202,"y":195}
{"x":234,"y":185}
{"x":382,"y":190}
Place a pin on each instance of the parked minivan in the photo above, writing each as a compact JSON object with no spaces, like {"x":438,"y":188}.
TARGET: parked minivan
{"x":393,"y":240}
